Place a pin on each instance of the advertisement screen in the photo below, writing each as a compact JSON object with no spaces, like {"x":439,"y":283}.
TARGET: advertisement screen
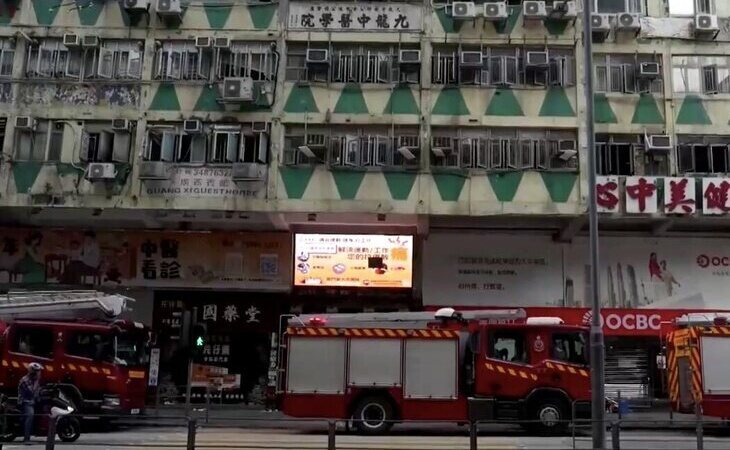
{"x":353,"y":260}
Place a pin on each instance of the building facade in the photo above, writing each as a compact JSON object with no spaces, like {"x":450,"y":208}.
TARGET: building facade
{"x":193,"y":153}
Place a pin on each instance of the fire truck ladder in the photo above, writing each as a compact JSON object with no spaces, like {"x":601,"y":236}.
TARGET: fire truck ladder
{"x":62,"y":305}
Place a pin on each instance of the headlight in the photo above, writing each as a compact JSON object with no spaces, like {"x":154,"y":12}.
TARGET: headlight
{"x":111,"y":401}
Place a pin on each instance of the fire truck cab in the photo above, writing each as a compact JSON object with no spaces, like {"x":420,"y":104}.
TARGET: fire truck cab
{"x":377,"y":369}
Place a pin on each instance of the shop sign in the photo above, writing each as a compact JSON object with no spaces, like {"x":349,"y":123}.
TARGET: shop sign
{"x":679,"y":196}
{"x":641,"y":195}
{"x":154,"y":371}
{"x":346,"y":16}
{"x":205,"y":182}
{"x":355,"y":260}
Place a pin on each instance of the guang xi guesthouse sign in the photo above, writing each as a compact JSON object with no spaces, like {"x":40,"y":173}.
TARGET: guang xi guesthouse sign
{"x":348,"y":16}
{"x":668,"y":195}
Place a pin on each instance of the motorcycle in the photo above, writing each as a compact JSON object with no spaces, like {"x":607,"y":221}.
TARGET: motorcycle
{"x":52,"y":404}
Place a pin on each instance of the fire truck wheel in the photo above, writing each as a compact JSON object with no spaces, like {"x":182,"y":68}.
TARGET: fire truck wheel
{"x":373,"y":415}
{"x":549,"y":416}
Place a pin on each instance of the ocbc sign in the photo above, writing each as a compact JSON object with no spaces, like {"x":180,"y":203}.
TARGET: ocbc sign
{"x":631,"y":321}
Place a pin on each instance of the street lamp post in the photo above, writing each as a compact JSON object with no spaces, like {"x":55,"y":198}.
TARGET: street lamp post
{"x":596,"y":335}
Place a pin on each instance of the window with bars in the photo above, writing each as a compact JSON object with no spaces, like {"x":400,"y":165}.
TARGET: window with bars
{"x":622,"y":74}
{"x":113,"y":59}
{"x":44,"y":142}
{"x":619,"y":6}
{"x":691,"y":7}
{"x":241,"y":59}
{"x":701,"y":156}
{"x":7,"y":55}
{"x":182,"y":60}
{"x":701,"y":74}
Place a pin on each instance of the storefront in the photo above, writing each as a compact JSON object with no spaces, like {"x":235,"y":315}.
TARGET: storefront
{"x":644,"y":282}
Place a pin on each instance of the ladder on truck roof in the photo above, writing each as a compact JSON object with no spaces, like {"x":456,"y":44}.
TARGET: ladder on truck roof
{"x":62,"y":305}
{"x":411,"y":320}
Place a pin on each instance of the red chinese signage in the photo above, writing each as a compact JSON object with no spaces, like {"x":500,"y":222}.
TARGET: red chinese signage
{"x":679,"y":196}
{"x":641,"y":195}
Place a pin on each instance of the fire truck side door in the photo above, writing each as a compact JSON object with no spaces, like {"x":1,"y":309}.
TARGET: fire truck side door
{"x":503,"y":361}
{"x":27,"y":344}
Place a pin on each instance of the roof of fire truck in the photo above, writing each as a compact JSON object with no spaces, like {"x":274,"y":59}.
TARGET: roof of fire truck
{"x":703,"y":319}
{"x":62,"y":305}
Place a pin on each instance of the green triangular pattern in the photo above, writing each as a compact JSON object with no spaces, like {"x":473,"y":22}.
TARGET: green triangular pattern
{"x":300,"y":100}
{"x":508,"y":25}
{"x":555,"y":27}
{"x":351,"y":101}
{"x":66,"y":169}
{"x":208,"y":100}
{"x":217,"y":14}
{"x":693,"y":112}
{"x":647,"y":111}
{"x":347,"y":182}
{"x":505,"y":184}
{"x":25,"y":174}
{"x":450,"y":102}
{"x":449,"y":185}
{"x":447,"y":22}
{"x":46,"y":10}
{"x":261,"y":15}
{"x":401,"y":101}
{"x":603,"y":113}
{"x":296,"y":180}
{"x":7,"y":11}
{"x":559,"y":185}
{"x":89,"y":11}
{"x":556,"y":104}
{"x":504,"y":103}
{"x":165,"y":98}
{"x":400,"y":184}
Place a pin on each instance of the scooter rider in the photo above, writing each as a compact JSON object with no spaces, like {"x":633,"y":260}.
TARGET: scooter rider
{"x":27,"y":394}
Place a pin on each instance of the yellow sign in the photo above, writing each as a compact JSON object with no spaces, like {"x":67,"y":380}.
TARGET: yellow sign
{"x":353,"y":260}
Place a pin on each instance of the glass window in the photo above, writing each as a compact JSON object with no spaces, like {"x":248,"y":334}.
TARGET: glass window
{"x":570,"y":347}
{"x":33,"y":341}
{"x":618,"y":6}
{"x":95,"y":346}
{"x":508,"y":346}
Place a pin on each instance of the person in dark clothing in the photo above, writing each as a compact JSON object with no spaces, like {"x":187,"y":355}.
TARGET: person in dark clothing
{"x":27,"y":392}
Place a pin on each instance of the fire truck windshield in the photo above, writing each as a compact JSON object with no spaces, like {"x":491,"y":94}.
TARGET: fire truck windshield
{"x":131,"y":349}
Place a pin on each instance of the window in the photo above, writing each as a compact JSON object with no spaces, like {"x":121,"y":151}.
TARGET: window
{"x":247,"y":60}
{"x":570,"y":347}
{"x":177,"y":60}
{"x":700,"y":156}
{"x":508,"y":346}
{"x":7,"y":54}
{"x":621,"y":73}
{"x":49,"y":58}
{"x":103,"y":145}
{"x":44,"y":143}
{"x":94,"y":346}
{"x":615,"y":158}
{"x":618,"y":6}
{"x":34,"y":341}
{"x":701,"y":74}
{"x":691,"y":7}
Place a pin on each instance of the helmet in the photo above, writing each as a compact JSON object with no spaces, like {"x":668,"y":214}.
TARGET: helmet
{"x":34,"y":367}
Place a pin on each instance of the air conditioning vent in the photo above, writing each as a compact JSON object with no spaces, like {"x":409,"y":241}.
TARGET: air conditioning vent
{"x":563,"y":9}
{"x":600,"y":22}
{"x":495,"y":12}
{"x":463,"y":10}
{"x":121,"y":125}
{"x":567,"y":149}
{"x":537,"y":60}
{"x":221,"y":42}
{"x":650,"y":70}
{"x":203,"y":41}
{"x":25,"y":123}
{"x":136,"y":5}
{"x":153,"y":170}
{"x":471,"y":59}
{"x":169,"y":8}
{"x":71,"y":40}
{"x":318,"y":56}
{"x":100,"y":171}
{"x":91,"y":41}
{"x":248,"y":171}
{"x":409,"y":57}
{"x":533,"y":9}
{"x":706,"y":23}
{"x":628,"y":22}
{"x":192,"y":126}
{"x":237,"y":89}
{"x":658,"y":143}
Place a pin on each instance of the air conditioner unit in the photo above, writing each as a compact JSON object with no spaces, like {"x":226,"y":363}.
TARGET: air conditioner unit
{"x":153,"y":170}
{"x":71,"y":40}
{"x":192,"y":126}
{"x":409,"y":57}
{"x":318,"y":56}
{"x":564,"y":9}
{"x":91,"y":41}
{"x":706,"y":23}
{"x":203,"y":41}
{"x":601,"y":23}
{"x":169,"y":8}
{"x":628,"y":22}
{"x":471,"y":59}
{"x":237,"y":89}
{"x":241,"y":171}
{"x":120,"y":125}
{"x":534,"y":9}
{"x":650,"y":70}
{"x":221,"y":42}
{"x":136,"y":5}
{"x":567,"y":150}
{"x":658,"y":143}
{"x":495,"y":12}
{"x":25,"y":123}
{"x":537,"y":60}
{"x":100,"y":171}
{"x":463,"y":10}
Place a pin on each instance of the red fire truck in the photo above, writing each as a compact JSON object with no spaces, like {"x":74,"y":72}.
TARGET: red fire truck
{"x":376,"y":369}
{"x":698,"y":364}
{"x":100,"y":361}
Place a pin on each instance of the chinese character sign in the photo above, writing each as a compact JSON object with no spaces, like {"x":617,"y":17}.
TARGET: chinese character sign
{"x":715,"y":196}
{"x":203,"y":182}
{"x":679,"y":196}
{"x":336,"y":16}
{"x":607,"y":194}
{"x":641,"y":195}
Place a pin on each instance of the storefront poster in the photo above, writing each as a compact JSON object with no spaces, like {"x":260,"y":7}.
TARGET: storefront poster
{"x":147,"y":259}
{"x":355,"y":260}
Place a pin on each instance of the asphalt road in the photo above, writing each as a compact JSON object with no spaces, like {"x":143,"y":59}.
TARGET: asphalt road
{"x":213,"y":438}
